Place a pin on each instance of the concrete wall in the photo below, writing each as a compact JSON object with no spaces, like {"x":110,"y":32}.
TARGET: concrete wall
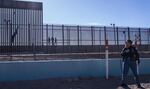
{"x":66,"y":49}
{"x":31,"y":70}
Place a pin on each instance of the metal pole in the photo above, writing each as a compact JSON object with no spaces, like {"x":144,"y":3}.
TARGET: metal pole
{"x":128,"y":33}
{"x":100,"y":39}
{"x":29,"y":40}
{"x":63,"y":36}
{"x":52,"y":30}
{"x":124,"y":32}
{"x":42,"y":35}
{"x":52,"y":39}
{"x":114,"y":33}
{"x":114,"y":28}
{"x":137,"y":47}
{"x":149,"y":36}
{"x":122,"y":69}
{"x":106,"y":54}
{"x":140,"y":35}
{"x":117,"y":36}
{"x":105,"y":33}
{"x":92,"y":35}
{"x":9,"y":37}
{"x":10,"y":41}
{"x":78,"y":34}
{"x":34,"y":54}
{"x":14,"y":22}
{"x":117,"y":39}
{"x":47,"y":39}
{"x":68,"y":37}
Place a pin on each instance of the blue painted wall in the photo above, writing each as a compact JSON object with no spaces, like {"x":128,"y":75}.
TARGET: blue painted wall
{"x":31,"y":70}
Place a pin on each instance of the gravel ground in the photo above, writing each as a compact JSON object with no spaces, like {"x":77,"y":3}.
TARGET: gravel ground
{"x":76,"y":83}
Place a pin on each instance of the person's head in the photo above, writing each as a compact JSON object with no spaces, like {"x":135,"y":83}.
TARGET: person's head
{"x":128,"y":43}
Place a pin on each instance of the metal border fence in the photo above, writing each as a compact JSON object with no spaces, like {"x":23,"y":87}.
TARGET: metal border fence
{"x":26,"y":38}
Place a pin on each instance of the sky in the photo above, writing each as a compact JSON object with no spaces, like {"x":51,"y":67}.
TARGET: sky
{"x":133,"y":13}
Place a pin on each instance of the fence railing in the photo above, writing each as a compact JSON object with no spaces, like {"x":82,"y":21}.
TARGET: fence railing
{"x":20,"y":34}
{"x":27,"y":38}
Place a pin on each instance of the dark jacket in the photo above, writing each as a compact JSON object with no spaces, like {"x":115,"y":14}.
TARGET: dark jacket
{"x":131,"y":53}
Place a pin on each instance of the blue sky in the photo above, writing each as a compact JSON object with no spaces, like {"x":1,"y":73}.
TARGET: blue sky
{"x":133,"y":13}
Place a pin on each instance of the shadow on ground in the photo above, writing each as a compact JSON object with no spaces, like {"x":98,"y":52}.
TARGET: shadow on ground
{"x":76,"y":83}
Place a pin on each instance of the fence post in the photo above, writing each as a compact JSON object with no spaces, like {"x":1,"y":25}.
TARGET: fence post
{"x":42,"y":34}
{"x":10,"y":34}
{"x":106,"y":54}
{"x":29,"y":41}
{"x":117,"y":38}
{"x":140,"y":36}
{"x":92,"y":35}
{"x":148,"y":38}
{"x":100,"y":39}
{"x":35,"y":31}
{"x":47,"y":39}
{"x":128,"y":33}
{"x":52,"y":30}
{"x":78,"y":34}
{"x":80,"y":31}
{"x":68,"y":39}
{"x":114,"y":33}
{"x":68,"y":36}
{"x":63,"y":36}
{"x":34,"y":54}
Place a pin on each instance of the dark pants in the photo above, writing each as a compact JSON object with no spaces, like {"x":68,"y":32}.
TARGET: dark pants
{"x":133,"y":66}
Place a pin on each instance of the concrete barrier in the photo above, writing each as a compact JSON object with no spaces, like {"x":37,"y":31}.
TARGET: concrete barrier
{"x":32,"y":70}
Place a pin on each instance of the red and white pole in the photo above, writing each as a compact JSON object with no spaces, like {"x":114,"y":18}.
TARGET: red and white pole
{"x":137,"y":43}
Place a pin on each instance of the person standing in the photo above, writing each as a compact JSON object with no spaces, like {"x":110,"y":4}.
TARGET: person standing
{"x":52,"y":39}
{"x":130,"y":58}
{"x":55,"y":41}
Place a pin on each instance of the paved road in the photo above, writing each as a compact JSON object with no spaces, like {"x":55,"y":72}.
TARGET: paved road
{"x":75,"y":83}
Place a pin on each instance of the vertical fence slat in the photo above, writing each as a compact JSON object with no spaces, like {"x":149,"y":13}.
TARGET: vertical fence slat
{"x":92,"y":36}
{"x":128,"y":33}
{"x":117,"y":36}
{"x":140,"y":35}
{"x":78,"y":35}
{"x":63,"y":37}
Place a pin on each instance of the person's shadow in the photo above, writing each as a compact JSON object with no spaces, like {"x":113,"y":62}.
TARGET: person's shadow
{"x":143,"y":79}
{"x":127,"y":87}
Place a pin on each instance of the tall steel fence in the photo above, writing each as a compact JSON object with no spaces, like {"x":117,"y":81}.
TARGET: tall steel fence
{"x":20,"y":34}
{"x":27,"y":37}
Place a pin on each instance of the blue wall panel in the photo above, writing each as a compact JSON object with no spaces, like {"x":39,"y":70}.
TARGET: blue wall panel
{"x":31,"y":70}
